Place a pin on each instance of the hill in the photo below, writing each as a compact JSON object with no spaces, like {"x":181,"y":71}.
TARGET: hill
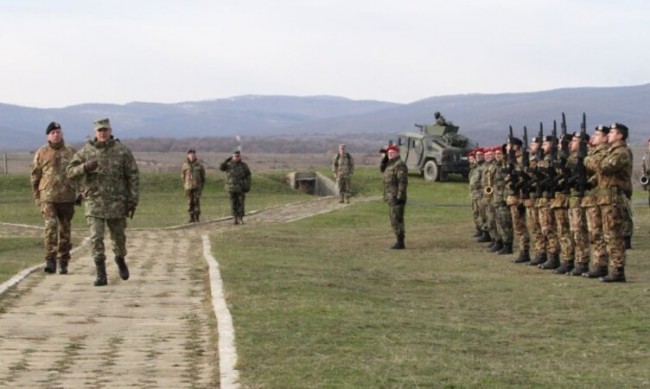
{"x":483,"y":117}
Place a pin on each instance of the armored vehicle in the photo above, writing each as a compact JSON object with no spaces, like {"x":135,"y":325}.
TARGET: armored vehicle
{"x":436,"y":151}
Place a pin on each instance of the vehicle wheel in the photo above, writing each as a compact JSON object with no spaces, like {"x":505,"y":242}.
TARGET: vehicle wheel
{"x":431,"y":171}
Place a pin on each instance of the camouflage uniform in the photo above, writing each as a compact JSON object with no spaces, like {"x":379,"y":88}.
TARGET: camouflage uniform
{"x":614,"y":182}
{"x":487,"y":202}
{"x":560,"y":208}
{"x":110,"y":192}
{"x":502,"y":212}
{"x":238,"y":182}
{"x":532,"y":217}
{"x":395,"y":184}
{"x":193,"y":175}
{"x":55,"y":193}
{"x":599,"y":256}
{"x":481,"y":201}
{"x":518,"y":212}
{"x":547,"y":220}
{"x":475,"y":194}
{"x":342,"y":168}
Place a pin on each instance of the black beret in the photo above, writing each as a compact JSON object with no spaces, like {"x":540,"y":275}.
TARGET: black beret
{"x":603,"y":129}
{"x":548,"y":138}
{"x":51,"y":127}
{"x":516,"y":142}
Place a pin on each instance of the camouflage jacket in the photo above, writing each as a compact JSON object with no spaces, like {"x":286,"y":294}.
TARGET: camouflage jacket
{"x":592,"y":164}
{"x":113,"y":185}
{"x":193,"y":175}
{"x":395,"y":181}
{"x":238,"y":176}
{"x":616,"y":168}
{"x":49,"y":180}
{"x":475,"y":181}
{"x":486,"y":178}
{"x":343,"y":165}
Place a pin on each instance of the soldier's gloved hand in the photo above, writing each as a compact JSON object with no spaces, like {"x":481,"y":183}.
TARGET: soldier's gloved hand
{"x":78,"y":200}
{"x":90,"y":166}
{"x":130,"y":209}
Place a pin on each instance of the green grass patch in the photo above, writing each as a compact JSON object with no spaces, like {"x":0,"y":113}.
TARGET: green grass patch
{"x":323,"y":303}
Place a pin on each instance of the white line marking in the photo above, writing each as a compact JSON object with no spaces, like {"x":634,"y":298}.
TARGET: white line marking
{"x":227,"y":351}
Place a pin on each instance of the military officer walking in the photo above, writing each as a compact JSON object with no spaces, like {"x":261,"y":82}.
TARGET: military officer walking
{"x":238,"y":183}
{"x":193,"y":175}
{"x":342,"y":168}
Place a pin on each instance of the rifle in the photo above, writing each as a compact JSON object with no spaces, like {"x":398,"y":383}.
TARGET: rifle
{"x":539,"y":156}
{"x":580,"y":172}
{"x":525,"y":178}
{"x":511,"y":171}
{"x":551,"y":173}
{"x":565,"y":172}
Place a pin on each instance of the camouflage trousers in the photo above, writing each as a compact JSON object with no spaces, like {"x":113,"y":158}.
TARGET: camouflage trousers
{"x":503,"y":222}
{"x":594,"y":218}
{"x":482,"y":213}
{"x":193,"y":197}
{"x":476,"y":214}
{"x":579,"y":233}
{"x":116,"y":229}
{"x":237,"y":204}
{"x":396,"y":213}
{"x":58,"y":227}
{"x":613,"y":232}
{"x":490,"y":224}
{"x":519,"y":226}
{"x":563,"y":233}
{"x":628,"y":223}
{"x":547,"y":225}
{"x":535,"y":229}
{"x":344,"y":184}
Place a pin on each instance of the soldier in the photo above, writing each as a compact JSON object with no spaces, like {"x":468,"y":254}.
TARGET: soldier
{"x":597,"y":151}
{"x":439,"y":119}
{"x":475,"y":191}
{"x":342,"y":168}
{"x":395,"y":184}
{"x":193,"y":175}
{"x":502,"y":212}
{"x":530,"y":202}
{"x":577,"y":217}
{"x":111,"y":184}
{"x":487,"y":183}
{"x":615,"y":172}
{"x":546,"y":214}
{"x":238,"y":183}
{"x":645,"y":173}
{"x":55,"y":194}
{"x":515,"y":201}
{"x":480,"y":172}
{"x":560,"y":206}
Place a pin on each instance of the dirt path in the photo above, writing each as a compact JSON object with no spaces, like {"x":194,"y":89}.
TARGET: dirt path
{"x":155,"y":330}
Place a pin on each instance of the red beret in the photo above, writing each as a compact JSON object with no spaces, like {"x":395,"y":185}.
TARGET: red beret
{"x":392,"y":147}
{"x":479,"y":150}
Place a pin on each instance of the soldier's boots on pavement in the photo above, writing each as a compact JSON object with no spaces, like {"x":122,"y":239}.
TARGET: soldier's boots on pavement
{"x":399,"y":244}
{"x":63,"y":266}
{"x":124,"y":270}
{"x":565,"y":267}
{"x":484,"y":238}
{"x":552,"y":262}
{"x":100,"y":266}
{"x":539,"y":259}
{"x":524,"y":256}
{"x":600,"y":271}
{"x":507,"y":248}
{"x":50,"y":266}
{"x":580,"y":268}
{"x":616,"y":275}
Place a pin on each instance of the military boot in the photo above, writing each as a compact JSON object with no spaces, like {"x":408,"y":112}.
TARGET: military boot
{"x":63,"y":266}
{"x":507,"y":248}
{"x":565,"y":267}
{"x":616,"y":275}
{"x":196,"y":217}
{"x":342,"y":199}
{"x":477,"y":234}
{"x":124,"y":270}
{"x":347,"y":199}
{"x":539,"y":259}
{"x":191,"y":218}
{"x":600,"y":271}
{"x":552,"y":262}
{"x":491,"y":246}
{"x":100,"y":265}
{"x":628,"y":242}
{"x":524,"y":256}
{"x":497,"y":247}
{"x":50,"y":266}
{"x":399,"y":244}
{"x":485,"y":237}
{"x":580,"y":268}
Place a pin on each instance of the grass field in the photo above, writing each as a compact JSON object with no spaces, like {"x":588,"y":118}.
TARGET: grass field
{"x":323,"y":303}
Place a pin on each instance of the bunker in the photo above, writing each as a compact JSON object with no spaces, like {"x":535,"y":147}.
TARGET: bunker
{"x":312,"y":183}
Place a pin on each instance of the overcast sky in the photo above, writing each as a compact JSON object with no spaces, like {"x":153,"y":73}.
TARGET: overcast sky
{"x":57,"y":53}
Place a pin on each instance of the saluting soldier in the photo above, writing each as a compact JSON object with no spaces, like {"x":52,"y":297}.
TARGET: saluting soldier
{"x":615,"y":175}
{"x":395,"y":185}
{"x":238,"y":183}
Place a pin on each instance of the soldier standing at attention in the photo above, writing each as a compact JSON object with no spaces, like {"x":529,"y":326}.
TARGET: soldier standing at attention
{"x":615,"y":173}
{"x":515,"y":200}
{"x":55,"y":194}
{"x":342,"y":168}
{"x":546,"y":214}
{"x":193,"y":175}
{"x":646,"y":172}
{"x":238,"y":183}
{"x":395,"y":183}
{"x":111,"y":183}
{"x":532,"y":213}
{"x":503,"y":218}
{"x":475,"y":191}
{"x":577,"y":216}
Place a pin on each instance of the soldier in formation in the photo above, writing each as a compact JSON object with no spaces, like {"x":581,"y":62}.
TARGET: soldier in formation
{"x":238,"y":183}
{"x":571,"y":196}
{"x":55,"y":194}
{"x":110,"y":180}
{"x":342,"y":169}
{"x":193,"y":176}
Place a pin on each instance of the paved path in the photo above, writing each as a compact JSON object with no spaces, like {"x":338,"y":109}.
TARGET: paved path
{"x":155,"y":330}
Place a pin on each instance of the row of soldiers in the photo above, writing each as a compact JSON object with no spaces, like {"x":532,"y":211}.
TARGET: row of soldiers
{"x":570,"y":194}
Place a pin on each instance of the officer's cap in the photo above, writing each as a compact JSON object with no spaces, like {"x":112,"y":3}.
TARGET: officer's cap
{"x":101,"y":123}
{"x":603,"y":129}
